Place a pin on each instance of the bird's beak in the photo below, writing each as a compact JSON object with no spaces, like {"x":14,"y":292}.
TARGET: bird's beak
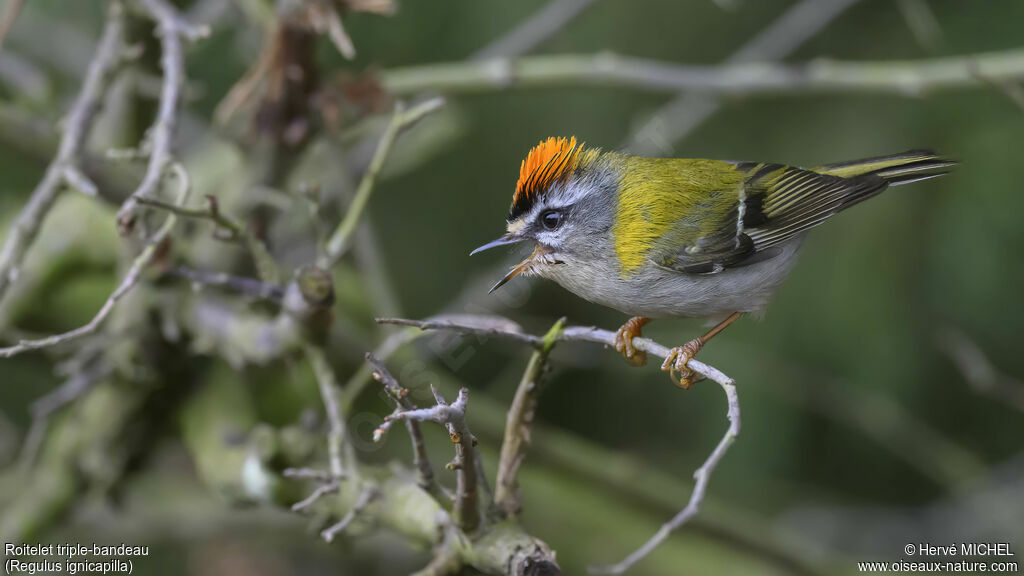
{"x":538,"y":252}
{"x":506,"y":239}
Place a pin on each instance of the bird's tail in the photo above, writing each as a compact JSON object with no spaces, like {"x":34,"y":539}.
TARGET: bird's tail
{"x":903,"y":168}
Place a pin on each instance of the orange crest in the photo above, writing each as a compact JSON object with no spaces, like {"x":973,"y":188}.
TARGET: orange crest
{"x":551,"y":161}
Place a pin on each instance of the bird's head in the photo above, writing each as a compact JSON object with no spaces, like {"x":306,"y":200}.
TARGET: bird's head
{"x":562,"y":203}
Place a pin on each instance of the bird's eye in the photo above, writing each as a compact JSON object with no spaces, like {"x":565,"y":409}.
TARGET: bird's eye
{"x":551,"y":219}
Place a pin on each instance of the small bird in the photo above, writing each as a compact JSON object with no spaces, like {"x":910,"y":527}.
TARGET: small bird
{"x":668,"y":237}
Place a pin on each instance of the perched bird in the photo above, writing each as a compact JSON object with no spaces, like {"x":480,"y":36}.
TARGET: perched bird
{"x":667,"y":237}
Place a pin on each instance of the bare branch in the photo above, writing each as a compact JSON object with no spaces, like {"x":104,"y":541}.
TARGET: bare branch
{"x":73,"y":388}
{"x":330,"y":487}
{"x":912,"y":78}
{"x":340,"y":454}
{"x":249,"y":287}
{"x":702,"y":476}
{"x":357,"y":382}
{"x":77,"y":179}
{"x":401,"y":120}
{"x":365,"y":497}
{"x":419,"y":448}
{"x":77,"y":127}
{"x":507,"y":329}
{"x":519,"y":424}
{"x":470,"y":324}
{"x":684,"y":113}
{"x":171,"y":28}
{"x":975,"y":366}
{"x":589,"y":334}
{"x":453,"y":417}
{"x":922,"y":23}
{"x":308,"y":473}
{"x":129,"y":281}
{"x":339,"y":37}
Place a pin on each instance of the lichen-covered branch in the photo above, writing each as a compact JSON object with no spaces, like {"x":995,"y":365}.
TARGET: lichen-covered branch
{"x":77,"y":127}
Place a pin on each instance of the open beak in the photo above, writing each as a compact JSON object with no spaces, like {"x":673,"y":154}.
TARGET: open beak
{"x":506,"y":239}
{"x":539,"y":253}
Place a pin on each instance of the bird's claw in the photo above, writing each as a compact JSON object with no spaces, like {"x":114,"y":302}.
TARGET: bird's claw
{"x":676,"y":363}
{"x":624,"y":340}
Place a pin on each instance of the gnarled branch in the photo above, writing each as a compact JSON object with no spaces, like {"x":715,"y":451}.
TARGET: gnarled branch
{"x":500,"y":327}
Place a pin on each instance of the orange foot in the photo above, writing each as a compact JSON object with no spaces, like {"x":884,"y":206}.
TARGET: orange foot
{"x":676,"y":363}
{"x":624,"y":340}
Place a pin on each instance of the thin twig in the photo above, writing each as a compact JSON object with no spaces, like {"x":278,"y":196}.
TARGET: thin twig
{"x":249,"y":287}
{"x":359,"y":379}
{"x":453,"y":416}
{"x":131,"y":278}
{"x":340,"y":453}
{"x":402,"y":119}
{"x":77,"y":127}
{"x":912,"y":78}
{"x":339,"y":37}
{"x":323,"y":490}
{"x":518,"y":426}
{"x":470,"y":324}
{"x":75,"y":387}
{"x":365,"y":497}
{"x":171,"y":28}
{"x":399,"y":394}
{"x":978,"y":370}
{"x":684,"y":113}
{"x":589,"y":334}
{"x":232,"y":229}
{"x":540,"y":26}
{"x":702,"y":476}
{"x":308,"y":474}
{"x":922,"y":23}
{"x":499,"y":327}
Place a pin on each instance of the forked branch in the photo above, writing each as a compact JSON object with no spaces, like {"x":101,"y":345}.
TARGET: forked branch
{"x":64,"y":167}
{"x":504,"y":328}
{"x":131,"y":278}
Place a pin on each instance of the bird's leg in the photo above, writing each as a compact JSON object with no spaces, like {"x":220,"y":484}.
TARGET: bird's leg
{"x":678,"y":358}
{"x":624,"y":340}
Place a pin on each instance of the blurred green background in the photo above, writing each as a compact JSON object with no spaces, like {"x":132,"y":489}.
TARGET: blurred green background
{"x":860,"y":432}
